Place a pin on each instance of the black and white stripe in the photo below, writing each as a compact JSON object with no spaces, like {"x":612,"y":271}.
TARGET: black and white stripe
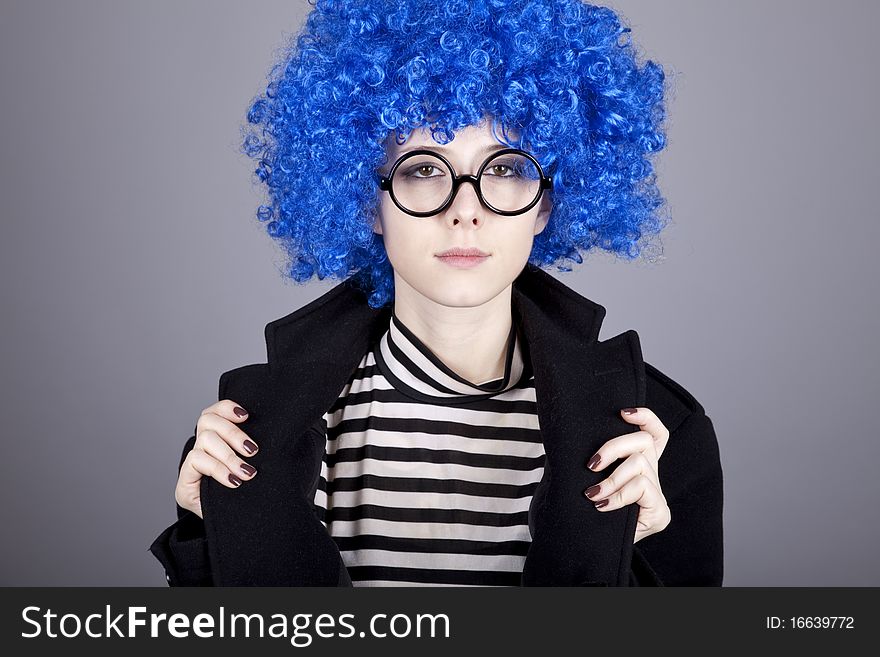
{"x":427,"y":478}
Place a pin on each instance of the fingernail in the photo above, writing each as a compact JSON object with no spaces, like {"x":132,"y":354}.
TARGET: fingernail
{"x":250,"y":447}
{"x":601,"y":503}
{"x":235,"y":480}
{"x":248,"y":469}
{"x":630,"y":411}
{"x":239,"y":411}
{"x":592,"y":490}
{"x":593,"y":462}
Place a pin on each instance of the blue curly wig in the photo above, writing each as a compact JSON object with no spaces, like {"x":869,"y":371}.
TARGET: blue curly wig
{"x":561,"y":74}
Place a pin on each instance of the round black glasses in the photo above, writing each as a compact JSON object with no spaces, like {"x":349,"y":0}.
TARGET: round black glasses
{"x":423,"y":183}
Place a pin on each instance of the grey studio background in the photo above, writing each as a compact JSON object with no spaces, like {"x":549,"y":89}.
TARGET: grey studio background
{"x":134,"y":273}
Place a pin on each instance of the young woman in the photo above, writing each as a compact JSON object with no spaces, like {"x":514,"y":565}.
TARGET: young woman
{"x":447,"y":415}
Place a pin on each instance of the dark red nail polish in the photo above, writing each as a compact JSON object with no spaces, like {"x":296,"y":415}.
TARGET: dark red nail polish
{"x":601,"y":503}
{"x":248,"y":469}
{"x":249,"y":446}
{"x":629,"y":411}
{"x":239,"y":411}
{"x":235,"y":480}
{"x":592,"y":490}
{"x":593,"y":462}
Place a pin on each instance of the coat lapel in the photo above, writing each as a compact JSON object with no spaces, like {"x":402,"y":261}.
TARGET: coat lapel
{"x":266,"y":533}
{"x":580,"y":384}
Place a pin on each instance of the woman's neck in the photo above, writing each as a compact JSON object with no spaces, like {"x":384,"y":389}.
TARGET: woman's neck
{"x":471,"y":341}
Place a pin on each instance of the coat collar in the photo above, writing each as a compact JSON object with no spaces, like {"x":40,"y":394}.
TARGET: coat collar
{"x":580,"y":383}
{"x":573,"y":318}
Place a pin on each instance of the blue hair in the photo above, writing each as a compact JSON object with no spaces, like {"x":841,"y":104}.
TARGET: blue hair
{"x":562,"y":74}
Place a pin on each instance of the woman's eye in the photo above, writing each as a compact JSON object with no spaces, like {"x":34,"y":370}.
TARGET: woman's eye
{"x":500,"y":170}
{"x":422,"y":171}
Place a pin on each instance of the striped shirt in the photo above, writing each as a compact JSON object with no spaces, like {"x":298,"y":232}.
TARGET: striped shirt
{"x":426,"y":478}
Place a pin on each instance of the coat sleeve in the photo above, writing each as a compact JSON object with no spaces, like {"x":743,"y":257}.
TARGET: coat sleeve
{"x":689,"y":551}
{"x":182,"y":548}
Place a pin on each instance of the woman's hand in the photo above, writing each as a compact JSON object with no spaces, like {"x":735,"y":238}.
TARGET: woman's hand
{"x":214,"y":454}
{"x":636,"y":479}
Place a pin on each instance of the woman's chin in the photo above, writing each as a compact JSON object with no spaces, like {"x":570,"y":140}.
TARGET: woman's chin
{"x":452,"y":287}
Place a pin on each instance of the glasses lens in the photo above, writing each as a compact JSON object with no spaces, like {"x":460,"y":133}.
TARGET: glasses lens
{"x":510,"y":182}
{"x":422,"y":183}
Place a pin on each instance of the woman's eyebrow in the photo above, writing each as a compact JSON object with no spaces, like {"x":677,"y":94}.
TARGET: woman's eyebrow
{"x":445,"y":149}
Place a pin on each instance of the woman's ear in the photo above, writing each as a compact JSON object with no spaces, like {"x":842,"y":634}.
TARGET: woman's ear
{"x":377,"y":226}
{"x":544,"y":213}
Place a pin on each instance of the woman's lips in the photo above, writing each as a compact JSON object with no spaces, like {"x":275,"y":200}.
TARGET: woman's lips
{"x":462,"y":262}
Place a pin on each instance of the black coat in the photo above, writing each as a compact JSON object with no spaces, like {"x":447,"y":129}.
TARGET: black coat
{"x":266,"y":532}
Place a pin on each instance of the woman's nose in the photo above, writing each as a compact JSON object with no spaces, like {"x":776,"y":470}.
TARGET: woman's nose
{"x":466,"y":206}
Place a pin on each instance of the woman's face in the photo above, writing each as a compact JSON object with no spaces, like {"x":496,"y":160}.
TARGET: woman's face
{"x":413,"y":243}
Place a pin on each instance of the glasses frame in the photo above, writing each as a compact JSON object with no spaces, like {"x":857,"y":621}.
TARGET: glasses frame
{"x":385,"y":182}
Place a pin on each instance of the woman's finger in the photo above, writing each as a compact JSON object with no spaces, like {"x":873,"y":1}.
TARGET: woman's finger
{"x":634,"y":465}
{"x":228,"y":409}
{"x":201,"y":464}
{"x":621,"y":447}
{"x":218,"y":448}
{"x":648,"y":421}
{"x":197,"y":465}
{"x":229,"y":432}
{"x":654,"y":511}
